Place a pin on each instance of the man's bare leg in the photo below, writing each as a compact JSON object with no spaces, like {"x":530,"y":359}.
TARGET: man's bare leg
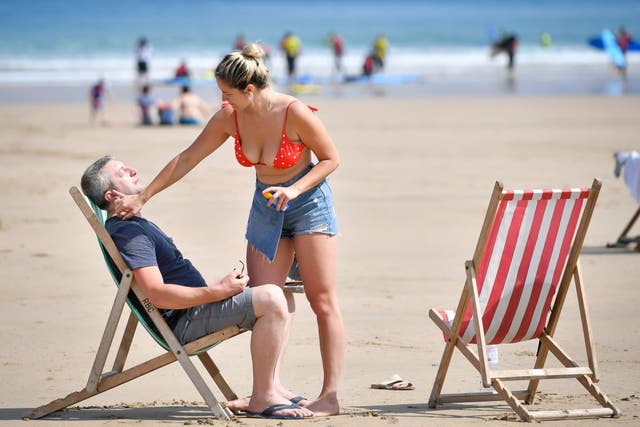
{"x":266,"y":343}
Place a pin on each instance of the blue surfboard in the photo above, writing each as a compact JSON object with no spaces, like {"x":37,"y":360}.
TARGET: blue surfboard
{"x":611,"y":47}
{"x":596,"y":41}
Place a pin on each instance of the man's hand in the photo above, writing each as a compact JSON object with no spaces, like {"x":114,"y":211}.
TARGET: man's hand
{"x":234,"y":282}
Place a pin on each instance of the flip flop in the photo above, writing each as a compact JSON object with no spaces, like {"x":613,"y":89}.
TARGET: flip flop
{"x":269,"y":412}
{"x":297,"y":399}
{"x":393,"y":383}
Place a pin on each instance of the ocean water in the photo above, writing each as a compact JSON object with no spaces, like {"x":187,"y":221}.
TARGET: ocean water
{"x":58,"y":42}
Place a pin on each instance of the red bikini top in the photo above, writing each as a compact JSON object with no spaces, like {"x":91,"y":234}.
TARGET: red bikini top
{"x":288,"y":154}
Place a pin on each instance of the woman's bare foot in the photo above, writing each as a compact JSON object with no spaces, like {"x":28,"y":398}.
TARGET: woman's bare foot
{"x":241,"y":404}
{"x":293,"y":398}
{"x":325,"y":405}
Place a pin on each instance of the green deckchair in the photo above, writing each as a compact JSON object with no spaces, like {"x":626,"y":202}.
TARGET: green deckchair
{"x":142,"y":311}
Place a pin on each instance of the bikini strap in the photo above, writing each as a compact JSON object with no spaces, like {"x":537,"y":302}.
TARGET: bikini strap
{"x":286,"y":112}
{"x":235,"y":115}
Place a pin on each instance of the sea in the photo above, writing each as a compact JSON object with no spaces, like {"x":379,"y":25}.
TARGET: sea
{"x":442,"y":45}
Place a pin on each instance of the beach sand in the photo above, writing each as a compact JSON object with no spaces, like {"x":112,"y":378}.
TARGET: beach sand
{"x":411,"y":193}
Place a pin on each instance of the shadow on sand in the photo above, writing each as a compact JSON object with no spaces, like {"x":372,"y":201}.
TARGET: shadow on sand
{"x":87,"y":413}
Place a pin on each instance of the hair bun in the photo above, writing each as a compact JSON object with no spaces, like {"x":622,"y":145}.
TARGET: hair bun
{"x":252,"y":51}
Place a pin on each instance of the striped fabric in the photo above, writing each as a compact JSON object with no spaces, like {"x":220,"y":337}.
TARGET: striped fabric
{"x":522,"y":263}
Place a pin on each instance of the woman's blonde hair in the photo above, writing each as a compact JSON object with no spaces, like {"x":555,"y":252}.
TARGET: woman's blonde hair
{"x":240,"y":69}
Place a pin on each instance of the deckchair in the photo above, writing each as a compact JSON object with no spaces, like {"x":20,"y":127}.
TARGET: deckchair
{"x":141,"y":311}
{"x":630,"y":162}
{"x":624,"y":239}
{"x":516,"y":284}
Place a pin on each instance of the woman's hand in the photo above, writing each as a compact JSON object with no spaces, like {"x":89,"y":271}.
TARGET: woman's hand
{"x":280,"y":196}
{"x":127,"y":206}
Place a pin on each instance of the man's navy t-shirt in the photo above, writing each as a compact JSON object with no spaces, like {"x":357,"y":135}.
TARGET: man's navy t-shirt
{"x":143,"y":244}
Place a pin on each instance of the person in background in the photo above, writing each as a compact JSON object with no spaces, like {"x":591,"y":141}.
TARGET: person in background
{"x":183,"y":70}
{"x":97,"y":95}
{"x":546,"y":40}
{"x":508,"y":44}
{"x":337,"y":45}
{"x":146,"y":102}
{"x":291,"y":46}
{"x":190,"y":107}
{"x":623,"y":38}
{"x":143,"y":57}
{"x":380,"y":47}
{"x":292,"y":210}
{"x":165,"y":113}
{"x":239,"y":42}
{"x":369,"y":65}
{"x":266,"y":59}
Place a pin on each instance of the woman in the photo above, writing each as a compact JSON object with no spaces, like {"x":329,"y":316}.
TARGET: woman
{"x":292,"y":210}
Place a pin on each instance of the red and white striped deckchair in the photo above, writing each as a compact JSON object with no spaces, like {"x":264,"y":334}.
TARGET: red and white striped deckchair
{"x":517,"y":281}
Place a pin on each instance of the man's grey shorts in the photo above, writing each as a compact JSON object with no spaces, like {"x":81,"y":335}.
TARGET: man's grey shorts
{"x":205,"y":319}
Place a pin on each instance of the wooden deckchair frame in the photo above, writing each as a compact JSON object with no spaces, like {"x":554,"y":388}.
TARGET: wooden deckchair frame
{"x":587,"y":376}
{"x":623,"y":240}
{"x":100,"y":381}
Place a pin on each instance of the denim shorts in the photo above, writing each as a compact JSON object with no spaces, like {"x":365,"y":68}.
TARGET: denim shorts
{"x":311,"y":212}
{"x":202,"y":320}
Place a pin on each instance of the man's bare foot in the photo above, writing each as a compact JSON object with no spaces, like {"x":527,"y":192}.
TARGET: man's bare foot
{"x":241,"y":404}
{"x":325,"y":406}
{"x":270,"y":409}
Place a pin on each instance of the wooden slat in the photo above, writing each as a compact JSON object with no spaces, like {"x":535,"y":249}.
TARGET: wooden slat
{"x":540,"y":374}
{"x":477,"y":397}
{"x":571,"y":413}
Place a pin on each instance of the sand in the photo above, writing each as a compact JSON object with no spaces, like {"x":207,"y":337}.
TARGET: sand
{"x":410,"y":193}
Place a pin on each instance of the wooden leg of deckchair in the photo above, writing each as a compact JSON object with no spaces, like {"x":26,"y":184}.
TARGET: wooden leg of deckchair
{"x":107,"y":382}
{"x":200,"y":384}
{"x":540,"y":361}
{"x":623,"y":240}
{"x":442,"y":372}
{"x":125,"y":343}
{"x":101,"y":356}
{"x":585,"y":380}
{"x":599,"y":395}
{"x":59,"y":404}
{"x":511,"y":400}
{"x":109,"y":331}
{"x":452,"y":333}
{"x":215,"y":373}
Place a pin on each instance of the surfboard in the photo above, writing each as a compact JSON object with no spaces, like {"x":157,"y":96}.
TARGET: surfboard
{"x":185,"y":81}
{"x":375,"y":79}
{"x":610,"y":45}
{"x":388,"y":79}
{"x":596,"y":41}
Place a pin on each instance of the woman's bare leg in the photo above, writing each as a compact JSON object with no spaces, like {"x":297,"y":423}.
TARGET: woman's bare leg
{"x":316,"y":254}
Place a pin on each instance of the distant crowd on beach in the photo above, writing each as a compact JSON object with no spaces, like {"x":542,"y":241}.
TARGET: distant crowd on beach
{"x":187,"y":108}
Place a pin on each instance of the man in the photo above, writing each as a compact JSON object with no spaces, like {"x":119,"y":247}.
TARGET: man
{"x":193,"y":306}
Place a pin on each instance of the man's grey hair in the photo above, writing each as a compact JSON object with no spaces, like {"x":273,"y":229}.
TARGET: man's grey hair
{"x":94,"y":183}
